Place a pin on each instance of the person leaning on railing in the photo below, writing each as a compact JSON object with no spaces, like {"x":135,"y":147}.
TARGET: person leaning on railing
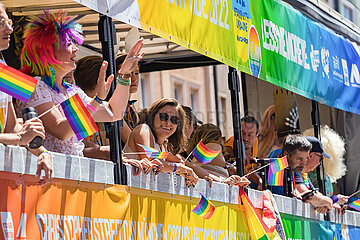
{"x":12,"y":132}
{"x":164,"y":131}
{"x":218,"y":169}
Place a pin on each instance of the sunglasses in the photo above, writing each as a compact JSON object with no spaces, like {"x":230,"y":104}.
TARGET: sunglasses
{"x":173,"y":119}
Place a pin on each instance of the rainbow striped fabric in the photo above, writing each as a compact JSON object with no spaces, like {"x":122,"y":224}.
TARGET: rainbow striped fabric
{"x":205,"y":208}
{"x":154,"y":153}
{"x":355,"y":204}
{"x":79,"y":117}
{"x":16,"y":83}
{"x":278,"y":164}
{"x":275,"y":179}
{"x":257,"y":227}
{"x":203,"y":154}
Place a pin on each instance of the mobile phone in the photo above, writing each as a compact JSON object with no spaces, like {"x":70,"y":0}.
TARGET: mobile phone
{"x":307,"y":195}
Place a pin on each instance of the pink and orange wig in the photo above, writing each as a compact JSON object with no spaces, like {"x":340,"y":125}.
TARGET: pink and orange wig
{"x":43,"y":34}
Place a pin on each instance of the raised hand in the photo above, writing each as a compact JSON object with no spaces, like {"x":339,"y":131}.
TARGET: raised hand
{"x":132,"y":58}
{"x":102,"y":85}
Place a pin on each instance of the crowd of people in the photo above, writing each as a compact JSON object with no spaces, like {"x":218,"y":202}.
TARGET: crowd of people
{"x":166,"y":125}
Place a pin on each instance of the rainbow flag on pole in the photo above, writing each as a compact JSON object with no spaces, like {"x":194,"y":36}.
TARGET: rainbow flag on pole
{"x":204,"y":154}
{"x":278,"y":164}
{"x":79,"y":117}
{"x":275,"y":179}
{"x":205,"y":208}
{"x":355,"y":204}
{"x":154,"y":153}
{"x":16,"y":83}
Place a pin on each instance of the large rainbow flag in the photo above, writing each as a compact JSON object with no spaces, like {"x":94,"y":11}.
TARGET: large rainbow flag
{"x":204,"y":154}
{"x":16,"y":83}
{"x":154,"y":153}
{"x":205,"y":208}
{"x":257,"y":227}
{"x":79,"y":117}
{"x":278,"y":164}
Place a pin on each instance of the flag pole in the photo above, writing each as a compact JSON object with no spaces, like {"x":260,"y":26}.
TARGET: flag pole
{"x":354,"y":193}
{"x":256,"y":170}
{"x":49,"y":110}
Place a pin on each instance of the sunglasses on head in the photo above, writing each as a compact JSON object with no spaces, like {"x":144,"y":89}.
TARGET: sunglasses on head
{"x":173,"y":119}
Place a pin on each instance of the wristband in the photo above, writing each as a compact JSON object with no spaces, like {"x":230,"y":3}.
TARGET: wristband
{"x":90,"y":107}
{"x":175,"y":167}
{"x":126,"y":76}
{"x":123,"y":81}
{"x":96,"y":98}
{"x":335,"y":198}
{"x":43,"y":151}
{"x":20,"y":138}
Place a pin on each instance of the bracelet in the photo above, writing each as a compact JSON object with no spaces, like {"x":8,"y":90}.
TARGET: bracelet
{"x":175,"y":167}
{"x":126,"y":76}
{"x":90,"y":107}
{"x":96,"y":98}
{"x":123,"y":81}
{"x":20,"y":138}
{"x":43,"y":151}
{"x":335,"y":198}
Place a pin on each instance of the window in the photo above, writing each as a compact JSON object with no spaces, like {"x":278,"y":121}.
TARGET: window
{"x":348,"y":12}
{"x":222,"y":115}
{"x":145,"y":90}
{"x":194,"y":99}
{"x":178,"y":89}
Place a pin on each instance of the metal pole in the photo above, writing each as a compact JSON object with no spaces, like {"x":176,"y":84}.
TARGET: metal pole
{"x":239,"y":149}
{"x":315,"y":116}
{"x":107,"y":37}
{"x":244,"y":94}
{"x":216,"y":96}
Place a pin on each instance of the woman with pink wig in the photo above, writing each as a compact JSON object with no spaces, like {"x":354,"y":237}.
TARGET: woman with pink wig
{"x":49,"y":52}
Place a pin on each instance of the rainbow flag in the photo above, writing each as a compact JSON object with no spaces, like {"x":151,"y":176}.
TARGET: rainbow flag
{"x":205,"y":208}
{"x":154,"y":153}
{"x":355,"y":204}
{"x":79,"y":117}
{"x":16,"y":83}
{"x":275,"y":179}
{"x":203,"y":154}
{"x":256,"y":225}
{"x":278,"y":164}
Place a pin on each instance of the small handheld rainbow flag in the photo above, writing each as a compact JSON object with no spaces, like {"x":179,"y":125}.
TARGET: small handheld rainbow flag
{"x":16,"y":83}
{"x":275,"y":179}
{"x":154,"y":153}
{"x":205,"y":208}
{"x":204,"y":154}
{"x":355,"y":204}
{"x":278,"y":164}
{"x":79,"y":117}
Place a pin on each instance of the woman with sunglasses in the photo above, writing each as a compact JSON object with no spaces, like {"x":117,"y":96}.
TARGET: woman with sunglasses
{"x":164,"y":131}
{"x":217,"y":169}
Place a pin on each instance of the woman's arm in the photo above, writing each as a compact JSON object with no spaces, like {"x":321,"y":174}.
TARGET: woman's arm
{"x":17,"y":134}
{"x":54,"y":123}
{"x":118,"y":101}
